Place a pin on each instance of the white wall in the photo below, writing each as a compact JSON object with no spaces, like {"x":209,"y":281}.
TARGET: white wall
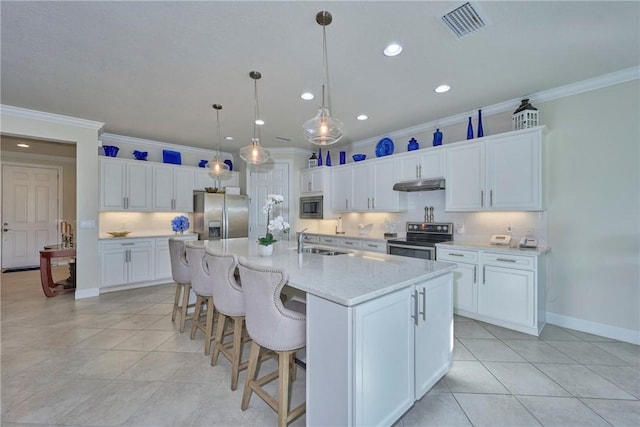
{"x":593,"y":197}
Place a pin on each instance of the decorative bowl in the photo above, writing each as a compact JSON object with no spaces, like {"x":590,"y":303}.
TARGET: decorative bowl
{"x":118,"y":233}
{"x":359,"y":157}
{"x":229,"y":163}
{"x":110,"y":150}
{"x":203,"y":163}
{"x":140,"y":155}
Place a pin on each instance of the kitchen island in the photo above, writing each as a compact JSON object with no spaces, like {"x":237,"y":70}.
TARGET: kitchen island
{"x":379,"y":329}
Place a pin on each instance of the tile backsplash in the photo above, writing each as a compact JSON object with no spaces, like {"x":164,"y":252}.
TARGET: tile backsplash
{"x":142,"y":223}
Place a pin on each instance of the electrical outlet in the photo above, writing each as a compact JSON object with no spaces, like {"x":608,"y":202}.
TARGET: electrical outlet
{"x":509,"y":228}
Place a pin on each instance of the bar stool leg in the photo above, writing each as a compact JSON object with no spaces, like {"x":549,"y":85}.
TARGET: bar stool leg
{"x":251,"y":375}
{"x":217,"y":343}
{"x":186,"y":290}
{"x":176,"y":301}
{"x":208,"y":329}
{"x":237,"y":350}
{"x":196,"y":316}
{"x":284,"y":358}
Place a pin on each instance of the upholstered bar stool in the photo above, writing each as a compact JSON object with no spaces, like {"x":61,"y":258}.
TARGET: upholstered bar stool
{"x":182,"y":276}
{"x":230,"y":306}
{"x":274,"y":327}
{"x":201,"y":285}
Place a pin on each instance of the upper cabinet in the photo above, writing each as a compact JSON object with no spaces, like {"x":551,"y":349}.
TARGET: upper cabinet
{"x":342,"y":188}
{"x":314,"y":180}
{"x":125,"y":185}
{"x":420,"y":164}
{"x":501,"y":173}
{"x":172,"y":188}
{"x":203,"y":180}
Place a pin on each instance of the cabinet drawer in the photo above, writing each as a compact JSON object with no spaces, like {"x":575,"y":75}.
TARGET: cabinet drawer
{"x":331,"y":241}
{"x":456,"y":255}
{"x":311,"y":238}
{"x":374,"y":246}
{"x":351,"y":243}
{"x":522,"y":262}
{"x":126,"y":244}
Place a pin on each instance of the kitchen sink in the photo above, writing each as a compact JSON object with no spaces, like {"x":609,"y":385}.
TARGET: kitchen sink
{"x":320,"y":251}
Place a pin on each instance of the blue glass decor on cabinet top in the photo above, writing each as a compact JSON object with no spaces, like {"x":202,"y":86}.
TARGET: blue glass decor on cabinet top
{"x":413,"y":145}
{"x":229,"y":163}
{"x":172,"y":157}
{"x":140,"y":155}
{"x":384,"y":147}
{"x":437,"y":138}
{"x":110,"y":150}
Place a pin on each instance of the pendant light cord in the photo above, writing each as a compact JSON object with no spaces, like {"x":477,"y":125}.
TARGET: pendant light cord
{"x":257,"y":111}
{"x":325,"y":68}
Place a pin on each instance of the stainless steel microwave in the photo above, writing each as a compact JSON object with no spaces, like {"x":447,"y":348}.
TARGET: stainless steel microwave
{"x":311,"y":207}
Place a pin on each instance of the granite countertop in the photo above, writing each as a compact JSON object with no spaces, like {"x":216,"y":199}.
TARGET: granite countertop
{"x":348,"y":280}
{"x":512,"y":249}
{"x":145,"y":235}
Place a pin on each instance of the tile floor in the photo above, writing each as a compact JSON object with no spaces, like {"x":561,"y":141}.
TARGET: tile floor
{"x":118,"y":360}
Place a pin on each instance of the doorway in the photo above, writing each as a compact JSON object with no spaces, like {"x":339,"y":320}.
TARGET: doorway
{"x":271,"y":178}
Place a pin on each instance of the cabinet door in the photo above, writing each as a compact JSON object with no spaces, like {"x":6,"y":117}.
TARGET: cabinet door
{"x":306,"y":182}
{"x":162,"y":260}
{"x":507,"y":294}
{"x":465,"y":291}
{"x":434,"y":332}
{"x":183,"y":185}
{"x":383,"y":197}
{"x":138,"y":186}
{"x":513,"y":172}
{"x":140,"y":264}
{"x":361,"y":185}
{"x":112,"y":184}
{"x":341,"y":181}
{"x":162,"y":187}
{"x":464,"y":173}
{"x":384,"y":344}
{"x":407,"y":167}
{"x":431,"y":164}
{"x":113,"y":267}
{"x":202,"y":179}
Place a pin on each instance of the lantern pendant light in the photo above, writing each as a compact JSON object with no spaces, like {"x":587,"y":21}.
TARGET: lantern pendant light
{"x":255,"y":154}
{"x":323,"y":129}
{"x":218,"y":168}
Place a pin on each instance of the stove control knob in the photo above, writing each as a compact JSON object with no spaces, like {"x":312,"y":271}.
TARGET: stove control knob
{"x":445,"y":228}
{"x":439,"y":228}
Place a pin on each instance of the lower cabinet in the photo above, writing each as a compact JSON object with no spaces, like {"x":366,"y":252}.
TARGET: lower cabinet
{"x":499,"y":288}
{"x":126,"y":261}
{"x":163,"y":258}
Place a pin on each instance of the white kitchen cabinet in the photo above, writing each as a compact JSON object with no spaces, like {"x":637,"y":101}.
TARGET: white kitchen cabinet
{"x":330,"y":241}
{"x":465,"y":277}
{"x":314,"y":180}
{"x":341,"y":188}
{"x":163,"y":258}
{"x":124,"y":185}
{"x":372,"y":187}
{"x":126,"y":261}
{"x":374,"y":246}
{"x":173,"y":188}
{"x":420,"y":164}
{"x":351,"y":243}
{"x":501,"y":172}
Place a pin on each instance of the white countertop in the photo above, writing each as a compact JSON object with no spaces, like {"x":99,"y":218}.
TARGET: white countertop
{"x":145,"y":235}
{"x":344,"y":279}
{"x":374,"y":235}
{"x":513,"y":249}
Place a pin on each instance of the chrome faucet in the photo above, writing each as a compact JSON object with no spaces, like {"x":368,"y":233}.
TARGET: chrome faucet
{"x":301,"y":240}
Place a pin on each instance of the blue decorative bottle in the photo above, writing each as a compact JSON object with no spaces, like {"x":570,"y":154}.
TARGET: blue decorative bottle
{"x":343,"y":157}
{"x":319,"y":156}
{"x":437,"y":138}
{"x":470,"y":129}
{"x":480,"y":130}
{"x":413,"y":145}
{"x":328,"y":162}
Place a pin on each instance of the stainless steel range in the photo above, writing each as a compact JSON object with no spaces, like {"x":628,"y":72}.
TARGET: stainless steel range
{"x":421,"y":239}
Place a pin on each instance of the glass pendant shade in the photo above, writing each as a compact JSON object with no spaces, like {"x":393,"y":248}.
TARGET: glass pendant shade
{"x":218,"y":168}
{"x":323,"y":129}
{"x":255,"y":153}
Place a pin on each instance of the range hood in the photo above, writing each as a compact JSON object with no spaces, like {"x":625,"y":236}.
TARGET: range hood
{"x":420,"y":185}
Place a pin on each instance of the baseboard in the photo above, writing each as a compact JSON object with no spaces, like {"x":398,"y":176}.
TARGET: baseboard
{"x":87,"y":293}
{"x":613,"y":332}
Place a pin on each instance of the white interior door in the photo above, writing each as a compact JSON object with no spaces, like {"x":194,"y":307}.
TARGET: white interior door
{"x":29,"y":213}
{"x":272,"y":178}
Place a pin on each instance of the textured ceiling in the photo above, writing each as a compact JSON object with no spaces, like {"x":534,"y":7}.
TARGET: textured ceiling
{"x":153,"y":69}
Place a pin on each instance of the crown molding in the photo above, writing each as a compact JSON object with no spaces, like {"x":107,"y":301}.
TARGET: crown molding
{"x":24,"y":113}
{"x":572,"y":89}
{"x":113,"y":138}
{"x":32,"y":157}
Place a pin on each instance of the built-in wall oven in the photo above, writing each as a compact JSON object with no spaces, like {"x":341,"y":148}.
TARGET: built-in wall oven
{"x":311,"y":207}
{"x":421,"y":240}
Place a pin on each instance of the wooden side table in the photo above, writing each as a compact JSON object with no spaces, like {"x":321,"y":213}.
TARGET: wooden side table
{"x":49,"y":287}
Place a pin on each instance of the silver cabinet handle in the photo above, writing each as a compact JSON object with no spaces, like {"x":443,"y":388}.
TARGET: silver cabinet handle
{"x":309,"y":185}
{"x":490,"y":197}
{"x":417,"y":173}
{"x":372,"y":245}
{"x":415,"y":306}
{"x":368,"y":203}
{"x":481,"y":198}
{"x":346,"y":204}
{"x":455,"y":254}
{"x":420,"y":169}
{"x":424,"y":304}
{"x":127,"y":244}
{"x":127,"y":255}
{"x":474,"y":273}
{"x":484,"y":275}
{"x":505,"y":260}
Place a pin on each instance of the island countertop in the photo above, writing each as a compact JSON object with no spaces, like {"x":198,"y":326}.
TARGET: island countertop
{"x":348,"y":280}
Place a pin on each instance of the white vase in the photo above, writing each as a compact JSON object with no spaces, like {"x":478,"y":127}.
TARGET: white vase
{"x":265,"y":250}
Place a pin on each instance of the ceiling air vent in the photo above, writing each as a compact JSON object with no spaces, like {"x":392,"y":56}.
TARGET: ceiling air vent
{"x":464,"y":20}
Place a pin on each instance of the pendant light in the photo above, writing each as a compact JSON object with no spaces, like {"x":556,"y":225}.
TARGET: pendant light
{"x":255,"y":154}
{"x":218,"y":168}
{"x":323,"y":129}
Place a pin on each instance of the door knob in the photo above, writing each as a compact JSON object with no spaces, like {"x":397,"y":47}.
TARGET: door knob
{"x":6,"y":229}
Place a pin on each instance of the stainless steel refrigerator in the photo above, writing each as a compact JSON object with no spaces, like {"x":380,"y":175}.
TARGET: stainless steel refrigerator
{"x":220,"y":216}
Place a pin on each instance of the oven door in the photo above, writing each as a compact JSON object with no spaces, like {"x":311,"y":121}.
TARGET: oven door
{"x":423,"y":252}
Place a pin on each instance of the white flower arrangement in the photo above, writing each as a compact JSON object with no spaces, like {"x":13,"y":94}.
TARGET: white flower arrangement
{"x":276,"y":224}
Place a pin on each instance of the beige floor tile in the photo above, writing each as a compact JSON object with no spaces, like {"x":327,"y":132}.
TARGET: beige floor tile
{"x":524,"y":378}
{"x":144,"y":340}
{"x":625,"y":377}
{"x":137,"y":321}
{"x":587,"y":353}
{"x":472,"y":377}
{"x":620,"y":413}
{"x":495,"y":410}
{"x":491,"y":350}
{"x":581,"y":382}
{"x":470,"y":330}
{"x":436,"y":410}
{"x":561,"y":412}
{"x":108,"y":365}
{"x":106,"y":339}
{"x":538,"y":351}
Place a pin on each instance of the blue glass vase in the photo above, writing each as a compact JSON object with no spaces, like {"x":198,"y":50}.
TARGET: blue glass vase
{"x":343,"y":157}
{"x":328,"y":162}
{"x":413,"y":145}
{"x":319,"y":156}
{"x":470,"y":129}
{"x":480,"y":130}
{"x":437,"y":138}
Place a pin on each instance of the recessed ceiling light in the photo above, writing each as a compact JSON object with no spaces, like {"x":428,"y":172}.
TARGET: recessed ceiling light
{"x":442,"y":89}
{"x":259,"y":122}
{"x":393,"y":49}
{"x":307,"y":96}
{"x":23,"y":145}
{"x":362,"y":117}
{"x":228,"y":138}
